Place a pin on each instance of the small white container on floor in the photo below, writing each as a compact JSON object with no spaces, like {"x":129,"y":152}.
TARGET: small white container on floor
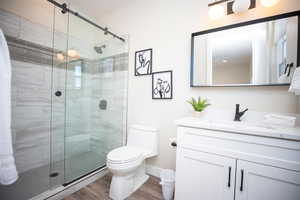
{"x":168,"y":183}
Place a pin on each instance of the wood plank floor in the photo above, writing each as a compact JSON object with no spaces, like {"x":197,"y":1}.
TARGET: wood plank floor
{"x":99,"y":190}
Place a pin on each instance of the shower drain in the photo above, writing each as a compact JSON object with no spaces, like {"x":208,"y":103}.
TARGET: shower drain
{"x":54,"y":174}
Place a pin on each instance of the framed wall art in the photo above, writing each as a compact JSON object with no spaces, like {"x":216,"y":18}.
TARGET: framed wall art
{"x":143,"y":62}
{"x":162,"y":85}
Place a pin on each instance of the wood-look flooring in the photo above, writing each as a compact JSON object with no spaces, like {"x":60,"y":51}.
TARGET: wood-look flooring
{"x":99,"y":190}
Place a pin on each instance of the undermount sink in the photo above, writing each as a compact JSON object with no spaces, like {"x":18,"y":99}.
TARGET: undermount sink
{"x":247,"y":126}
{"x":257,"y":128}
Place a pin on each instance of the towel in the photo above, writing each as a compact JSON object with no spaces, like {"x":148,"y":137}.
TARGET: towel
{"x":295,"y":84}
{"x":280,"y":120}
{"x":8,"y":171}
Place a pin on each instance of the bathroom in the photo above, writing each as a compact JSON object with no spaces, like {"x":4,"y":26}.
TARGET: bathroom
{"x":75,"y":90}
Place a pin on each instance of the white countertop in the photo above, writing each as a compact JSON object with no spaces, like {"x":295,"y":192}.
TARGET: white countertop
{"x":241,"y":128}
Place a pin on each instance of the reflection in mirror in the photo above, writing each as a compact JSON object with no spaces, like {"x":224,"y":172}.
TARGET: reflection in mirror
{"x":258,"y":54}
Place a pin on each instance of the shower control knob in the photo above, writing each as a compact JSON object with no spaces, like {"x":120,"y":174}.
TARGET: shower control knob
{"x":58,"y":93}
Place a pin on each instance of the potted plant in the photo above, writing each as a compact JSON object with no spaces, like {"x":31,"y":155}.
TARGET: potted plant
{"x":198,"y":105}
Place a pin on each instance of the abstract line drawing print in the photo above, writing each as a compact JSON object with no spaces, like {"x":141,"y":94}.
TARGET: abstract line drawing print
{"x":143,"y":62}
{"x":162,"y":85}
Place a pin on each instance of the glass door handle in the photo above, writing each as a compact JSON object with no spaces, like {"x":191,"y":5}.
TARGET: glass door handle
{"x":58,"y":93}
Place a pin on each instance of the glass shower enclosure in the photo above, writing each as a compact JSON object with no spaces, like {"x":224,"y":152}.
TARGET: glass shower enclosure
{"x":69,"y":100}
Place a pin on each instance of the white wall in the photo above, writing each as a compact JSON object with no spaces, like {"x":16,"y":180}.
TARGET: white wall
{"x":166,"y":26}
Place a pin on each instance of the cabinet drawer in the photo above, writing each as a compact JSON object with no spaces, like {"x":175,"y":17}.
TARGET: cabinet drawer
{"x":269,"y":151}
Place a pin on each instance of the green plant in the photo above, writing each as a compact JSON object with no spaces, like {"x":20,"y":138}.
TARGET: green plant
{"x":199,"y":105}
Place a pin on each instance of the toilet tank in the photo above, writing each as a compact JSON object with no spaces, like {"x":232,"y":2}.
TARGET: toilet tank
{"x":145,"y":138}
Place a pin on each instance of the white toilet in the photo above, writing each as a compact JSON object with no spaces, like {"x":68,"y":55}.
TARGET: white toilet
{"x":127,"y":163}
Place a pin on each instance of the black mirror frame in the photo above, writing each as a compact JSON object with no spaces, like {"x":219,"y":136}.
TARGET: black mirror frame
{"x":256,"y":21}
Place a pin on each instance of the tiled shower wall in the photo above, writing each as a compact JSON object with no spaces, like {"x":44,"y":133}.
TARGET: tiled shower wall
{"x":31,"y":113}
{"x":108,"y":81}
{"x":100,"y":129}
{"x":38,"y":135}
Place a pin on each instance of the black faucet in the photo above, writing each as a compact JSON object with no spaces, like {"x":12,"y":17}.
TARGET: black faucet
{"x":239,"y":114}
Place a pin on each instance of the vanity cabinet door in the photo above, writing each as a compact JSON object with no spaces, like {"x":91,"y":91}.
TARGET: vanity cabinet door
{"x":203,"y":176}
{"x":260,"y":182}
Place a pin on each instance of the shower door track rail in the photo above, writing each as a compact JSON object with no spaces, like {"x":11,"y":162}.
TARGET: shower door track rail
{"x":71,"y":187}
{"x":65,"y":9}
{"x":80,"y":177}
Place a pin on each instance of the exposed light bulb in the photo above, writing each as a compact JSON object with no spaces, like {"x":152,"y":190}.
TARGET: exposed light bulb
{"x":240,"y":6}
{"x":216,"y":12}
{"x":269,"y":3}
{"x":225,"y":61}
{"x":72,"y":53}
{"x":60,"y":56}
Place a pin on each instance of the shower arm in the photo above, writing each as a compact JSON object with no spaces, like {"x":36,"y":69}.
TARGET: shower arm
{"x":65,"y":9}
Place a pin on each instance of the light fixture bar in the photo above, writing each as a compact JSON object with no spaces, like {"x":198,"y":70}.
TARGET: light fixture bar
{"x":217,"y":2}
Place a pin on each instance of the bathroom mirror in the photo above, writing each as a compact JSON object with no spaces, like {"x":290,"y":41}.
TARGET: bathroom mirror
{"x":255,"y":53}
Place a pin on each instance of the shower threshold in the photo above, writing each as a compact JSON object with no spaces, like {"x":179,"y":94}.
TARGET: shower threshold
{"x":74,"y":186}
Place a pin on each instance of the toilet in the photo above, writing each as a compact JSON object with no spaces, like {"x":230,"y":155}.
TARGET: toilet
{"x":127,"y":163}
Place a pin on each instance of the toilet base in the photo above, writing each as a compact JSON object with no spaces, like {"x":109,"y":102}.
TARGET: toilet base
{"x":122,"y":187}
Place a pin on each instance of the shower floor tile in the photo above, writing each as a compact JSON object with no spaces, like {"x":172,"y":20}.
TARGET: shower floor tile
{"x":29,"y":184}
{"x":36,"y":181}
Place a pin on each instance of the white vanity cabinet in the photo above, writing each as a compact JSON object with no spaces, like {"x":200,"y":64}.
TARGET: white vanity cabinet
{"x":224,"y":165}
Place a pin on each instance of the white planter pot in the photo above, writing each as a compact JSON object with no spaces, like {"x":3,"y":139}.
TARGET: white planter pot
{"x":198,"y":114}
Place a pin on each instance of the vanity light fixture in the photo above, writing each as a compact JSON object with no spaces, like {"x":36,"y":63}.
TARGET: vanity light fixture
{"x":217,"y":10}
{"x":240,"y":6}
{"x":269,"y":3}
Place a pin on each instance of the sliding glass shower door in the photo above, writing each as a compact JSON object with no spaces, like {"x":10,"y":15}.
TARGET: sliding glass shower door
{"x":68,"y":98}
{"x":89,"y":98}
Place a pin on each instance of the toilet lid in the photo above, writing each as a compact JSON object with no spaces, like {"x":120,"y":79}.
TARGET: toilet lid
{"x":124,"y":154}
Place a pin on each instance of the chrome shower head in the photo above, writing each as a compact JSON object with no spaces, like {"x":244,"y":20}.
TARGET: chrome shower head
{"x":99,"y":49}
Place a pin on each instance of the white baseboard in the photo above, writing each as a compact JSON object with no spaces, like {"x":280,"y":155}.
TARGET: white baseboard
{"x":153,"y":170}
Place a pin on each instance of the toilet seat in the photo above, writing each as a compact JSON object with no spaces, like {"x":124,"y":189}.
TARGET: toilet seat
{"x":124,"y":154}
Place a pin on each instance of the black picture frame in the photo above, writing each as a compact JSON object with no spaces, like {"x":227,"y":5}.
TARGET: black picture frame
{"x":159,"y":95}
{"x":261,"y":20}
{"x":146,"y":62}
